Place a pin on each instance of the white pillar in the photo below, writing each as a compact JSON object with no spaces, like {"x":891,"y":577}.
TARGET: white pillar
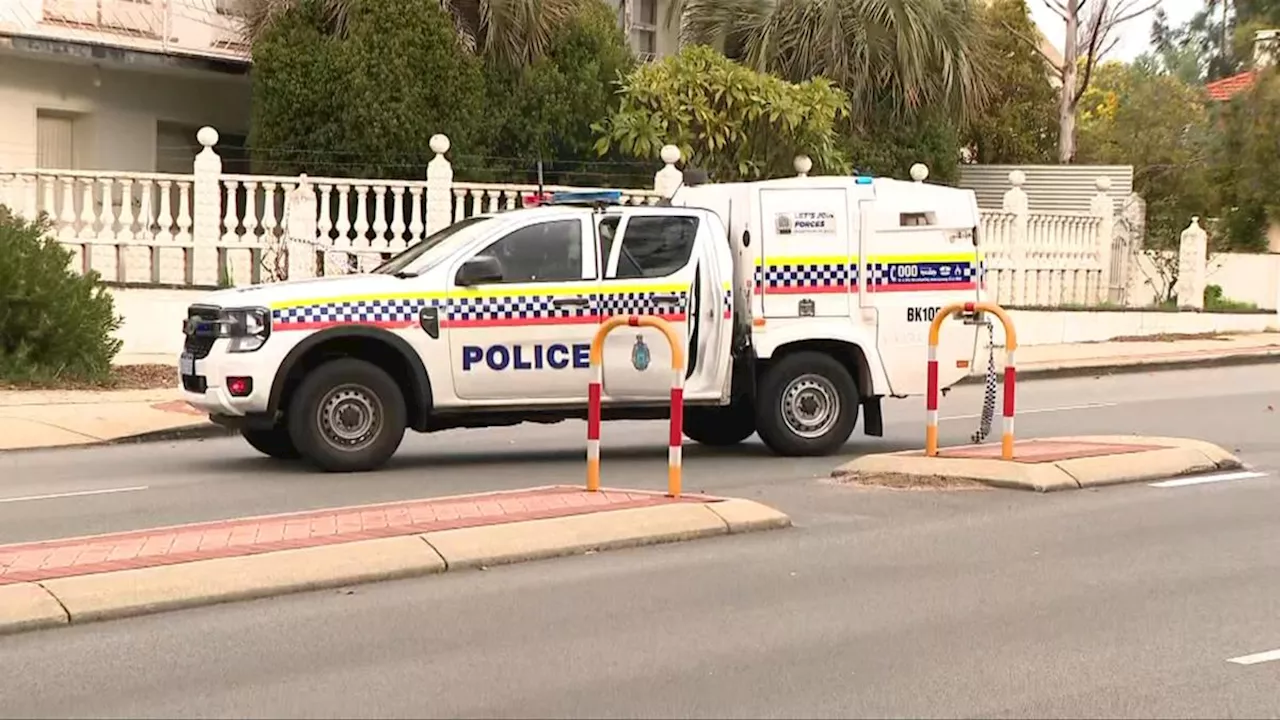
{"x":1015,"y":202}
{"x":667,"y":180}
{"x":206,"y":210}
{"x":1103,"y":206}
{"x":301,"y":232}
{"x":1193,"y":254}
{"x":439,"y":186}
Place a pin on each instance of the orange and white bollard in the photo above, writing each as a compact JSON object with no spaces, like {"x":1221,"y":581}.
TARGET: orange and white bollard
{"x":595,"y":392}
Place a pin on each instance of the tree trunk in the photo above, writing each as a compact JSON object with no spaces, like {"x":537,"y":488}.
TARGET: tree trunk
{"x":1070,"y":78}
{"x":1067,"y":123}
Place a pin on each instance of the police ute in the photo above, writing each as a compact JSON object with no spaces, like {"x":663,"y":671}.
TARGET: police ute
{"x":801,"y":303}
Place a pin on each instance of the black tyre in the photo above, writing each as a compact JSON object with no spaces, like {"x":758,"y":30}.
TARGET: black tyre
{"x":348,"y":415}
{"x":807,"y":404}
{"x":274,"y":443}
{"x":719,"y":426}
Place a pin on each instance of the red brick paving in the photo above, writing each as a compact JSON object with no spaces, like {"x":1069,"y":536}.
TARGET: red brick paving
{"x":178,"y":406}
{"x":1041,"y":451}
{"x":49,"y":559}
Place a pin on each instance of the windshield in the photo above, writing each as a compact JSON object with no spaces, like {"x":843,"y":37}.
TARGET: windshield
{"x":419,"y":257}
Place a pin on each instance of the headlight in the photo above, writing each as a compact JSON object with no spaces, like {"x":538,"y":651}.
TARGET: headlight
{"x":246,"y":328}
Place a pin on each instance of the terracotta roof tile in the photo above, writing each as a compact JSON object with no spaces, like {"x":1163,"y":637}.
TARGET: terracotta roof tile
{"x":1228,"y":87}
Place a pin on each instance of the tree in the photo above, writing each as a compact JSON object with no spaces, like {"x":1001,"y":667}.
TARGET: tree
{"x":731,"y":121}
{"x":1018,"y":125}
{"x":1160,"y":125}
{"x":546,"y":109}
{"x":508,"y":32}
{"x":402,"y":78}
{"x":1248,"y":153}
{"x":1090,"y":35}
{"x":903,"y":54}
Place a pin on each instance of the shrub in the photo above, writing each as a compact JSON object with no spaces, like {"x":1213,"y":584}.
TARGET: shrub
{"x":55,"y":324}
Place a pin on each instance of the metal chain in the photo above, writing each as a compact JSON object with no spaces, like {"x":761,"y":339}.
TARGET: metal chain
{"x":989,"y":401}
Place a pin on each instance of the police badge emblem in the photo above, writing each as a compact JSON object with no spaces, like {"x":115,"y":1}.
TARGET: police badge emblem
{"x":640,"y":355}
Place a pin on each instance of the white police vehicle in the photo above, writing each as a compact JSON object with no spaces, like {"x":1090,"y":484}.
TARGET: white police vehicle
{"x":801,"y":301}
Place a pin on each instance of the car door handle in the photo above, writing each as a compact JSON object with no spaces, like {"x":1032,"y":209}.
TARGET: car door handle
{"x":665,"y":298}
{"x":571,"y":302}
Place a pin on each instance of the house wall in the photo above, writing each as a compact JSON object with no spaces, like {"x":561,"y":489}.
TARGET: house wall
{"x":115,"y":111}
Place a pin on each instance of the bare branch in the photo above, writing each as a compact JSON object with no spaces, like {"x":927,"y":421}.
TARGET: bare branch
{"x":1034,"y":44}
{"x":1091,"y":58}
{"x":1057,"y":7}
{"x":1124,"y":12}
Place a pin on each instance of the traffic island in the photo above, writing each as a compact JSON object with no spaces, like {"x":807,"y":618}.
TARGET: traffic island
{"x":1043,"y":465}
{"x":77,"y":580}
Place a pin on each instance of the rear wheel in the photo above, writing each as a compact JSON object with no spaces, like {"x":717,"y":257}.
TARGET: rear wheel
{"x":348,"y":415}
{"x":807,"y":405}
{"x":273,"y":442}
{"x":719,"y":426}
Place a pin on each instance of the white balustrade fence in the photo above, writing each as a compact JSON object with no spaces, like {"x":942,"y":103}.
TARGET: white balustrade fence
{"x":212,"y":228}
{"x":1040,"y":260}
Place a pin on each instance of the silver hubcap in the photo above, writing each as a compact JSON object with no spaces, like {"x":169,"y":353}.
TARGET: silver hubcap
{"x":350,"y":417}
{"x":810,"y":406}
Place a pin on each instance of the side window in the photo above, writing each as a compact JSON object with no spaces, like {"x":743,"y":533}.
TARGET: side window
{"x":546,"y":252}
{"x":607,"y":232}
{"x":656,"y":246}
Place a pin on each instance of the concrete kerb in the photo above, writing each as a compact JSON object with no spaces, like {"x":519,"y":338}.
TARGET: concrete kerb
{"x":1264,"y":356}
{"x":1173,"y":457}
{"x":124,"y":593}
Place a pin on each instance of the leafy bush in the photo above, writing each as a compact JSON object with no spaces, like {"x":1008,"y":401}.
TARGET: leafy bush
{"x":365,"y":99}
{"x":54,"y":323}
{"x":733,"y":122}
{"x":545,"y":108}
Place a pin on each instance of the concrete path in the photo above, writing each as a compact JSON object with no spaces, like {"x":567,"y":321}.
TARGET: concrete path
{"x":1128,"y":601}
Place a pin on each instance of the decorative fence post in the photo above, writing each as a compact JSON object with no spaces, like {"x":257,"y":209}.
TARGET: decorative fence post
{"x":1015,"y":202}
{"x":1131,"y":232}
{"x":301,"y":230}
{"x":1192,"y":274}
{"x":919,"y":172}
{"x":1104,"y":208}
{"x":206,"y":210}
{"x":667,"y":180}
{"x":803,"y":164}
{"x":439,"y":186}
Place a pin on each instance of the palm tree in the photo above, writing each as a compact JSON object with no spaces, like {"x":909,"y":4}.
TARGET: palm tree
{"x":900,"y":55}
{"x":513,"y":32}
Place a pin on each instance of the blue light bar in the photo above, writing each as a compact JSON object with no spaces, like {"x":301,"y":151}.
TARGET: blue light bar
{"x":602,"y":197}
{"x":862,"y":180}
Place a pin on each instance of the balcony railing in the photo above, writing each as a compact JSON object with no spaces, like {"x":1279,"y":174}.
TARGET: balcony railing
{"x":191,"y":27}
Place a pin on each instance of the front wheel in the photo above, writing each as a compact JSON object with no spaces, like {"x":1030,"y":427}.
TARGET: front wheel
{"x":348,"y":415}
{"x":807,"y":405}
{"x":719,"y":426}
{"x":272,"y":442}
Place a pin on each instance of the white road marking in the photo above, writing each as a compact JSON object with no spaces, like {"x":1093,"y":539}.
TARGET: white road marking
{"x":80,"y":493}
{"x":1033,"y":411}
{"x":1202,"y":479}
{"x":1256,"y":658}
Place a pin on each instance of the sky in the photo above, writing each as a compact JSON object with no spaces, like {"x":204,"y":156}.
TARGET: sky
{"x":1135,"y":35}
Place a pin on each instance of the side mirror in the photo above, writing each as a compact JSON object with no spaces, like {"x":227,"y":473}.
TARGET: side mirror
{"x":479,"y":270}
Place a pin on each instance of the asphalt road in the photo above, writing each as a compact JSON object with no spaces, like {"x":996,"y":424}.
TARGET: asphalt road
{"x":1123,"y":601}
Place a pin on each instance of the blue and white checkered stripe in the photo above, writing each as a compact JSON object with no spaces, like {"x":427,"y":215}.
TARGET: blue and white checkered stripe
{"x":516,"y":307}
{"x":463,"y":310}
{"x":355,"y":311}
{"x":805,"y":275}
{"x":639,"y":303}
